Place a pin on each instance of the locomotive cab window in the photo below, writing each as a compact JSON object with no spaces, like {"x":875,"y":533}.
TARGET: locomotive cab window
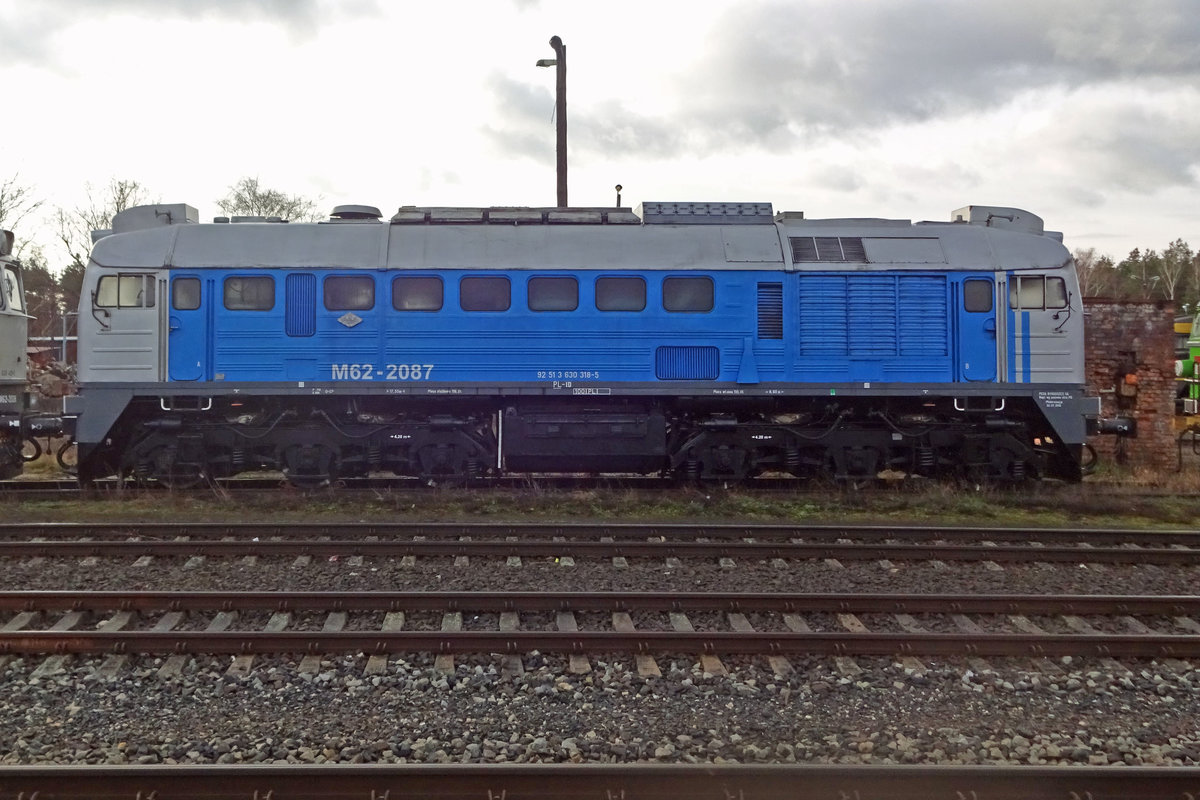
{"x":1056,"y":293}
{"x":977,"y":296}
{"x":1037,"y":292}
{"x":553,"y":294}
{"x":349,"y":293}
{"x":11,"y":297}
{"x":185,"y":294}
{"x":621,"y":294}
{"x":491,"y":293}
{"x":688,"y":294}
{"x":250,"y":293}
{"x":125,"y":291}
{"x":417,"y":293}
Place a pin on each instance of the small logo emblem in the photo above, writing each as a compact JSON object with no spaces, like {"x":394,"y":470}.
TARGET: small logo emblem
{"x":349,"y":319}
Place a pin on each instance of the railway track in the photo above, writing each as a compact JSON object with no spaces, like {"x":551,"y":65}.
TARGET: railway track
{"x":515,"y":623}
{"x":602,"y":782}
{"x":66,"y":486}
{"x":756,"y":542}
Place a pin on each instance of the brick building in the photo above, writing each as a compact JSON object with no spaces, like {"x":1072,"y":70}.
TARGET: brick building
{"x":1130,"y":364}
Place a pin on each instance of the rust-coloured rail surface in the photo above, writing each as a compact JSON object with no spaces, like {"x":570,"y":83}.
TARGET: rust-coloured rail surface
{"x":676,"y":532}
{"x":848,"y":544}
{"x":600,"y":782}
{"x":1165,"y":605}
{"x":790,"y":638}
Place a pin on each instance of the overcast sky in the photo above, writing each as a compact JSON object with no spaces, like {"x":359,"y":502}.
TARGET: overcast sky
{"x":1085,"y":112}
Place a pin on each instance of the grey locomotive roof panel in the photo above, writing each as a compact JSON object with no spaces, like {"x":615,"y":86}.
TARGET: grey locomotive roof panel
{"x":869,"y":245}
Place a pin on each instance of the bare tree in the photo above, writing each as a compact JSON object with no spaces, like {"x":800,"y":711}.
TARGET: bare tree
{"x":75,"y":227}
{"x":1172,"y":266}
{"x":1085,"y":268}
{"x":248,"y":198}
{"x":16,"y":203}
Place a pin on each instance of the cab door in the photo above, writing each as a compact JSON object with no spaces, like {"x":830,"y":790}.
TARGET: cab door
{"x":976,"y":330}
{"x":188,"y":343}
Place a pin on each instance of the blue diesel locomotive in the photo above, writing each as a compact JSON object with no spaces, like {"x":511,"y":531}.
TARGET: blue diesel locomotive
{"x":710,"y":341}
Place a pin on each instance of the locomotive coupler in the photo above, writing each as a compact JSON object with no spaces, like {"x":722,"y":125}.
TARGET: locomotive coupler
{"x":1114,"y":426}
{"x":43,"y":425}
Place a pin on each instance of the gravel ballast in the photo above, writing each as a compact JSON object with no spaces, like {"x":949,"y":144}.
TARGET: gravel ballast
{"x":849,"y":711}
{"x":1082,"y":713}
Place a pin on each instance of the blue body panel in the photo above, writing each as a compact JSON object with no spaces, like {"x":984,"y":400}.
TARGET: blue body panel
{"x":765,"y":326}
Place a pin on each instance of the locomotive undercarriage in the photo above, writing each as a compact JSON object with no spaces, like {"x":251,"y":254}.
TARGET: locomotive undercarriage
{"x":702,"y":441}
{"x":312,"y":448}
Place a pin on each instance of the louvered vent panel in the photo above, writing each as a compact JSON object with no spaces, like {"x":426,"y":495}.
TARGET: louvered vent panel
{"x":687,"y":363}
{"x":770,"y":311}
{"x":821,"y":322}
{"x":803,"y":248}
{"x":301,"y":314}
{"x":852,"y":249}
{"x":829,"y":248}
{"x":924,"y":316}
{"x":873,"y":309}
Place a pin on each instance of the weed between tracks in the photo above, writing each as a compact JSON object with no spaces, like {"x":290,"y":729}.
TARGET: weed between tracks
{"x":1051,"y":505}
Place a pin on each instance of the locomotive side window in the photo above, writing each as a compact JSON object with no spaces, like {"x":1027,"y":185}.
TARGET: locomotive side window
{"x":349,"y":293}
{"x":1037,"y":292}
{"x":485,"y":294}
{"x":977,"y":295}
{"x":688,"y":294}
{"x":125,"y":291}
{"x":417,"y":293}
{"x":1027,"y":292}
{"x":553,"y":294}
{"x":185,"y":294}
{"x":620,"y":294}
{"x":250,"y":294}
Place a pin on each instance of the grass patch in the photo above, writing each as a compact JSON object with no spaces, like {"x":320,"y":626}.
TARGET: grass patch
{"x":913,"y":503}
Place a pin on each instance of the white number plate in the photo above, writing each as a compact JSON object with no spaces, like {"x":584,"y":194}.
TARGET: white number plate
{"x":388,"y":372}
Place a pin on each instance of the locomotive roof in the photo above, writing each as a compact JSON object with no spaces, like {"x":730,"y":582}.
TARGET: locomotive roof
{"x":481,"y":239}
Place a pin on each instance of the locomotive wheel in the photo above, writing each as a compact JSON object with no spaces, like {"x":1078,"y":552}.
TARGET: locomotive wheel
{"x":309,"y":466}
{"x":162,"y":467}
{"x":724,"y":464}
{"x":444,"y":464}
{"x":174,"y":463}
{"x":174,"y":473}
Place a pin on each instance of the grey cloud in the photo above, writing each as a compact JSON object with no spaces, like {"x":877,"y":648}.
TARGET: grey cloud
{"x":830,"y":67}
{"x":779,"y":74}
{"x":39,"y":22}
{"x":520,"y":123}
{"x":1133,"y":148}
{"x":837,"y":177}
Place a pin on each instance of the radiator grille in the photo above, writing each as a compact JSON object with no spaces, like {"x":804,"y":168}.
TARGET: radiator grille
{"x":872,"y":316}
{"x":770,"y":311}
{"x":687,"y":363}
{"x":301,"y":315}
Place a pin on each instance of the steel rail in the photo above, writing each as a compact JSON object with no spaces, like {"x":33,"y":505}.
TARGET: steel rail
{"x":799,"y":602}
{"x":595,"y":531}
{"x":517,"y":642}
{"x":599,"y":549}
{"x":1154,"y":645}
{"x":599,"y":782}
